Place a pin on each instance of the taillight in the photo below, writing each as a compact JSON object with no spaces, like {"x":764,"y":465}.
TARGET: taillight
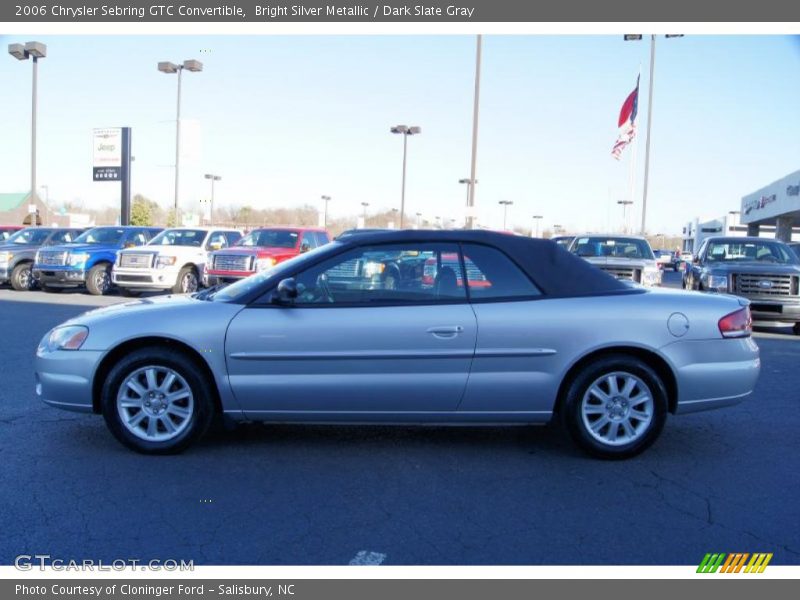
{"x":737,"y":324}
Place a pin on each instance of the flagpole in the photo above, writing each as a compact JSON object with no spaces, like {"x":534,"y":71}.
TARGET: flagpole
{"x":649,"y":124}
{"x":632,"y":181}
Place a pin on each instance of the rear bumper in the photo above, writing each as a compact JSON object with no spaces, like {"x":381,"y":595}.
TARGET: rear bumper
{"x":713,"y":373}
{"x":59,"y":276}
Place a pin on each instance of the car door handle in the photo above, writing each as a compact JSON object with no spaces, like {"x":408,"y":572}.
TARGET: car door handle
{"x":446,"y":331}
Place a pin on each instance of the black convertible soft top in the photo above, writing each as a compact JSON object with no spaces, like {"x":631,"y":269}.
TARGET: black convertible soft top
{"x":554,"y":270}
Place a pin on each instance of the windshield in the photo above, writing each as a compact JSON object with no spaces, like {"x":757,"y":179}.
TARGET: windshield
{"x":101,"y":235}
{"x":613,"y":247}
{"x":244,"y":286}
{"x":270,"y":238}
{"x":179,"y":237}
{"x":29,"y":236}
{"x":739,"y":251}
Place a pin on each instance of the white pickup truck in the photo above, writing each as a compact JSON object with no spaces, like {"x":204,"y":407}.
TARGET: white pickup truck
{"x":173,"y":260}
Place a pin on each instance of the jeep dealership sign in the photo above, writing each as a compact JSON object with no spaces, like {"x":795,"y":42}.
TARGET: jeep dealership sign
{"x":107,"y":154}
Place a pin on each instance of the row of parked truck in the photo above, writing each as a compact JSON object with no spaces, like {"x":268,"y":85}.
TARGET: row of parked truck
{"x":138,"y":259}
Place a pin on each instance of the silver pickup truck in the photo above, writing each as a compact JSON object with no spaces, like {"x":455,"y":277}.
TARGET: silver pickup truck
{"x":625,"y":257}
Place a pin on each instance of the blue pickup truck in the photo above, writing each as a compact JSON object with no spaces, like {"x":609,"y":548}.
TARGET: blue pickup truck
{"x":88,"y":260}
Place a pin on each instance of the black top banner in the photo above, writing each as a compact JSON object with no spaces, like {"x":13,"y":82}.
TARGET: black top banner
{"x":311,"y":11}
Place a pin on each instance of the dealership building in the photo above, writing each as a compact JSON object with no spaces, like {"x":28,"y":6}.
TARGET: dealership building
{"x":770,"y":212}
{"x":776,"y":205}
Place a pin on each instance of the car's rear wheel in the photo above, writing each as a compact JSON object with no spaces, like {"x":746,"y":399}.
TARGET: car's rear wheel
{"x":22,"y":277}
{"x":156,"y":402}
{"x":98,"y":280}
{"x":187,"y":282}
{"x":616,"y":407}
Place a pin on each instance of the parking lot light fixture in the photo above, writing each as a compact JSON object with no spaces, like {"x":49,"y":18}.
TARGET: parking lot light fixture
{"x":505,"y":204}
{"x":405,"y":131}
{"x":194,"y":66}
{"x":365,"y":205}
{"x":35,"y":50}
{"x":213,"y":179}
{"x":624,"y":204}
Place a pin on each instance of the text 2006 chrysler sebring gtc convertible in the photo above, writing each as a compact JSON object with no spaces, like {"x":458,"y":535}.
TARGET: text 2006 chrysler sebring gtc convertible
{"x":408,"y":327}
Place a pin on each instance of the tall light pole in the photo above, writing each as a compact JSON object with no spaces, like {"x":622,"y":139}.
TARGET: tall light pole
{"x":405,"y":131}
{"x":506,"y":204}
{"x":325,"y":199}
{"x":35,"y":50}
{"x":625,"y":204}
{"x":536,"y":219}
{"x":213,"y":179}
{"x":46,"y":202}
{"x":419,"y":217}
{"x":365,"y":205}
{"x":637,"y":37}
{"x":473,"y":162}
{"x":195,"y":66}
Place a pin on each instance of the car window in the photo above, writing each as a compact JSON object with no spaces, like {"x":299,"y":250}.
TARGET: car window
{"x":393,"y":274}
{"x":233,"y":237}
{"x":60,"y":237}
{"x":322,"y":238}
{"x":31,"y":235}
{"x":309,"y":241}
{"x":136,"y":238}
{"x":179,"y":237}
{"x":749,"y":251}
{"x":492,"y":275}
{"x":216,"y":241}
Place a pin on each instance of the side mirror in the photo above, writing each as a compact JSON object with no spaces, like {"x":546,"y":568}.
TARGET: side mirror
{"x":215,"y":246}
{"x":286,"y":291}
{"x":130,"y":244}
{"x":696,"y":260}
{"x":305,"y":247}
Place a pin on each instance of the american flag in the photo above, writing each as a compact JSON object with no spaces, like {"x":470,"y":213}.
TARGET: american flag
{"x":627,"y":122}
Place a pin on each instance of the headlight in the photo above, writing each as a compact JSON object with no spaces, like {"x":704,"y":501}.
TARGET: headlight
{"x":262,"y":264}
{"x":165,"y":261}
{"x":5,"y":257}
{"x":716,"y":282}
{"x":78,"y":258}
{"x":69,"y":337}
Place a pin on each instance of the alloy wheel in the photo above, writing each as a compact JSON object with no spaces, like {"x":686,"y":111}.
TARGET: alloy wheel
{"x":617,"y":408}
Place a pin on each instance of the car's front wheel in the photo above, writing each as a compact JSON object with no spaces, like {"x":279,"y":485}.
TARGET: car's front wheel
{"x":616,"y":407}
{"x":187,"y":282}
{"x":98,"y":279}
{"x":22,"y":277}
{"x":156,"y":401}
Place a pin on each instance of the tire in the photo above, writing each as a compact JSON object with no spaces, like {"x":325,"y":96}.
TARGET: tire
{"x":22,"y":277}
{"x":129,"y":293}
{"x":98,"y":280}
{"x":190,"y":413}
{"x":590,"y":400}
{"x":188,"y":282}
{"x":796,"y":328}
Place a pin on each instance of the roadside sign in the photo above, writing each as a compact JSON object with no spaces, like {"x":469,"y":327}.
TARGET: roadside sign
{"x":107,"y":154}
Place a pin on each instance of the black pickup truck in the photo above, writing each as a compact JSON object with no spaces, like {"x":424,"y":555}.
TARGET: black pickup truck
{"x":765,"y":271}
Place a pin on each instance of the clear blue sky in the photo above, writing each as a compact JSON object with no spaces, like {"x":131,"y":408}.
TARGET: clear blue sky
{"x":284,"y":119}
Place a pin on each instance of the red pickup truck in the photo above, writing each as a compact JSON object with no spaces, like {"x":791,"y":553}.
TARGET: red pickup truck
{"x":260,"y":250}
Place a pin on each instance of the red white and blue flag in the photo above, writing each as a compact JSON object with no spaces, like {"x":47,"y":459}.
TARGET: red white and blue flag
{"x":627,"y":122}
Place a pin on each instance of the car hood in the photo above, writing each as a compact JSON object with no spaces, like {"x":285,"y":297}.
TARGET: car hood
{"x":257,"y":250}
{"x":73,"y":247}
{"x":757,"y":268}
{"x":199,"y":323}
{"x":18,"y":247}
{"x":613,"y":261}
{"x":165,"y":249}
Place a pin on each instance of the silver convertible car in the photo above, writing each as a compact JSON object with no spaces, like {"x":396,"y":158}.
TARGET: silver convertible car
{"x":408,"y":327}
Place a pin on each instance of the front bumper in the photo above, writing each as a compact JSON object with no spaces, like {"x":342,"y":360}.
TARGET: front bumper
{"x":59,"y":276}
{"x":214,"y":277}
{"x":150,"y":279}
{"x":64,"y":378}
{"x":713,"y":373}
{"x":5,"y":273}
{"x":772,"y":310}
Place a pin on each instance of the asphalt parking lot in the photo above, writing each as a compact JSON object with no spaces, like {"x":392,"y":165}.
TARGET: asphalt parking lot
{"x":721,"y":481}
